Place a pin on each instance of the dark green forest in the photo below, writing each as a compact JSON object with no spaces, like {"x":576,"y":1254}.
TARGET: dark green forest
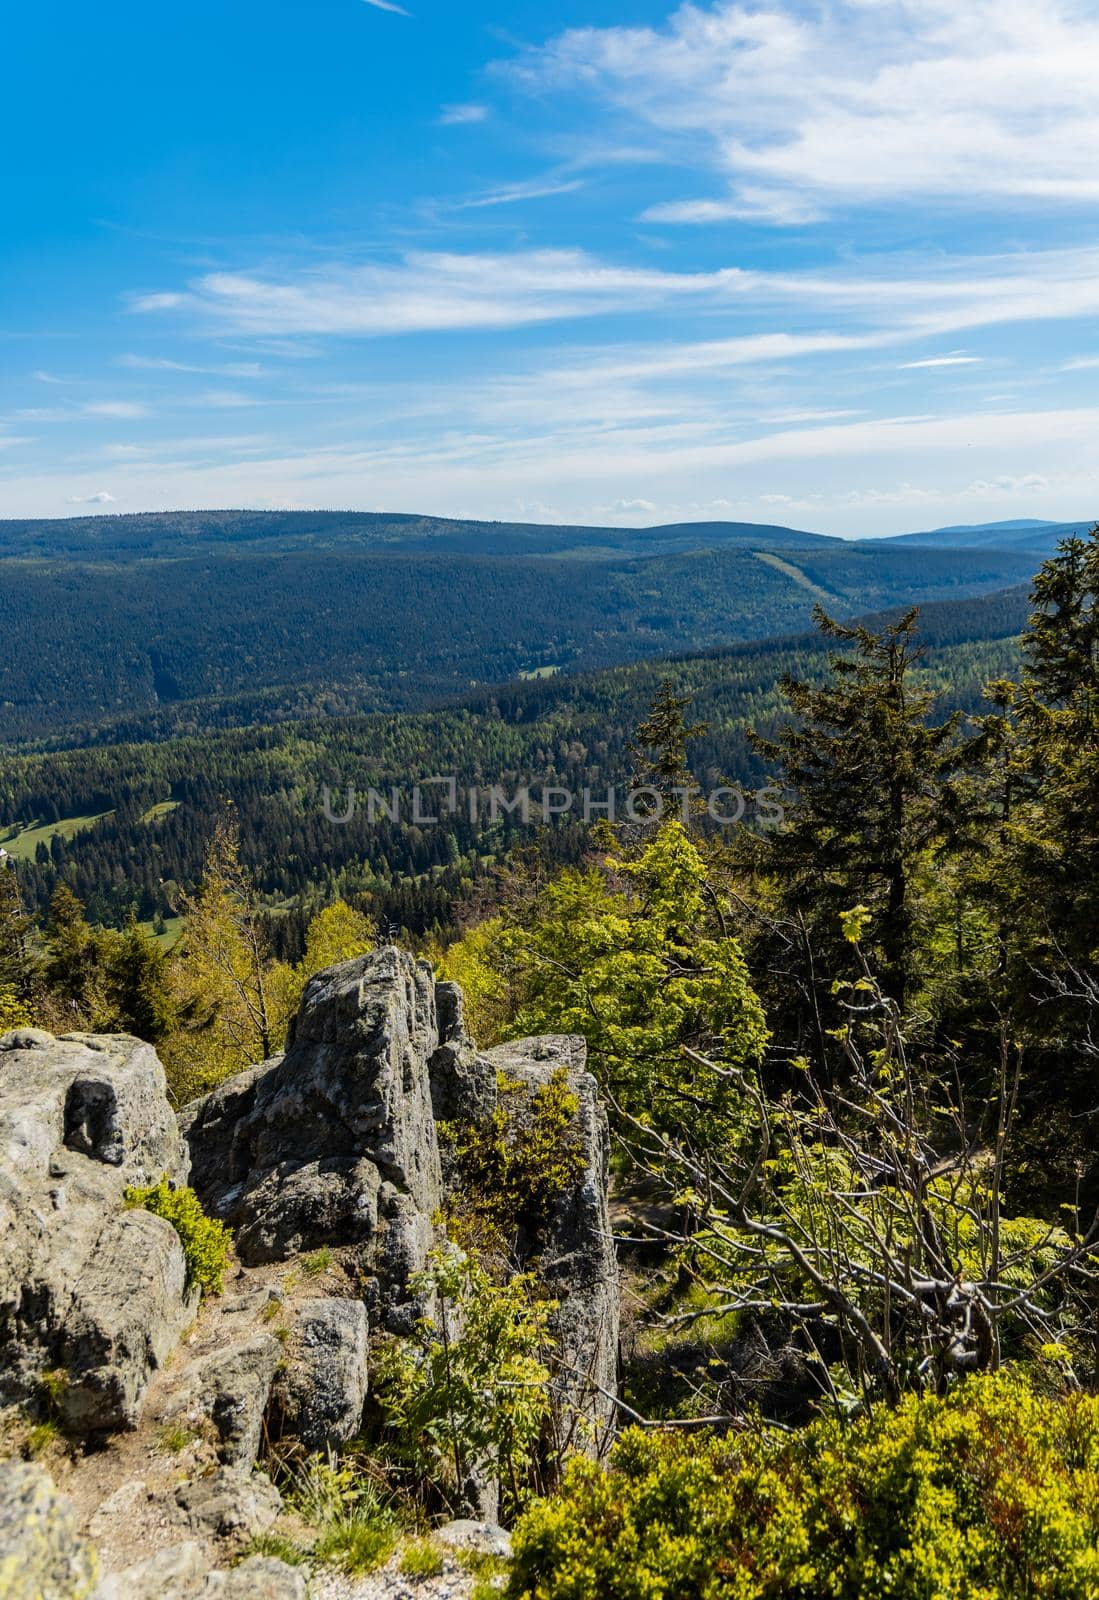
{"x":182,"y":626}
{"x":572,"y":731}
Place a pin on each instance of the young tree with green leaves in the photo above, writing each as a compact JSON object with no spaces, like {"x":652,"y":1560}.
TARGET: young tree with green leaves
{"x":20,"y":978}
{"x":635,"y":955}
{"x":229,"y":1007}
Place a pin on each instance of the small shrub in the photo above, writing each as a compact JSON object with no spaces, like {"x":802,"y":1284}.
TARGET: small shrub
{"x":14,"y":1013}
{"x":469,"y":1392}
{"x":278,"y":1546}
{"x":55,"y":1386}
{"x":206,"y":1242}
{"x":421,"y":1559}
{"x":42,"y":1439}
{"x":356,"y":1528}
{"x":174,"y":1437}
{"x":990,"y":1493}
{"x":315,"y":1265}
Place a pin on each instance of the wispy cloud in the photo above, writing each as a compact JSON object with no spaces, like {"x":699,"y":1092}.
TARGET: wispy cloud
{"x":232,"y":369}
{"x":388,"y":5}
{"x":805,"y":107}
{"x":458,"y":116}
{"x":862,"y":305}
{"x":956,"y":360}
{"x":536,"y":189}
{"x":101,"y":498}
{"x":117,"y":410}
{"x":434,"y":291}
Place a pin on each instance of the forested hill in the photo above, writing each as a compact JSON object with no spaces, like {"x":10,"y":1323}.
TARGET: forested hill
{"x":121,"y":645}
{"x":168,"y":535}
{"x":125,"y":826}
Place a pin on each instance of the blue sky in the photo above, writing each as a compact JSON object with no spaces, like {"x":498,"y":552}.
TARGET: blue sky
{"x":834,"y":265}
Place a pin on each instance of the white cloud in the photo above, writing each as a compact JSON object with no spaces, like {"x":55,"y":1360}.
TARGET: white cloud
{"x":118,"y":410}
{"x":461,"y":115}
{"x":433,"y":291}
{"x":806,"y":107}
{"x":429,"y":291}
{"x":388,"y":5}
{"x":537,"y":189}
{"x":233,"y":369}
{"x":102,"y":498}
{"x":942,"y":361}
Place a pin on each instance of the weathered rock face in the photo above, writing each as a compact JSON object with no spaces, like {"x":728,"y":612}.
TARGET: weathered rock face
{"x":85,"y":1285}
{"x":576,"y":1255}
{"x":319,"y":1396}
{"x":42,"y":1556}
{"x":334,"y":1143}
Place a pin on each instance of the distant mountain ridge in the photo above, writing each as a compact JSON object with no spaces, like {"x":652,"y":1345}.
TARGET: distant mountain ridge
{"x":173,"y":534}
{"x":1031,"y":534}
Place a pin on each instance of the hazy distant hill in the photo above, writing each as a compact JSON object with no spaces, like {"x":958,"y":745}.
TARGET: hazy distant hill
{"x":1027,"y":533}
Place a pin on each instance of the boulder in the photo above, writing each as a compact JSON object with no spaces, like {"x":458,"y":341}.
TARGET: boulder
{"x":42,"y":1556}
{"x":227,"y":1504}
{"x":258,"y":1578}
{"x":180,"y":1572}
{"x":479,"y":1538}
{"x":334,"y":1143}
{"x":231,"y":1387}
{"x":463,"y":1085}
{"x":86,"y":1286}
{"x":319,"y":1396}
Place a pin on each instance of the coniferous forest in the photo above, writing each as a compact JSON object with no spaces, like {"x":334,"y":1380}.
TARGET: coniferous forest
{"x":847,"y":1057}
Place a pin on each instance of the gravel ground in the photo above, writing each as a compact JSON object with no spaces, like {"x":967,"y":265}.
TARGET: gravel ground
{"x":453,"y":1583}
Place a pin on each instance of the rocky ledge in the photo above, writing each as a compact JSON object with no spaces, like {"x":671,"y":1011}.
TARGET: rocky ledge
{"x":332,"y":1147}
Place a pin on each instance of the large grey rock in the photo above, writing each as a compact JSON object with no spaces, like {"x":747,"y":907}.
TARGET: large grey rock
{"x":574,"y":1250}
{"x":179,"y":1572}
{"x":227,"y":1505}
{"x":463,"y":1084}
{"x":182,"y":1572}
{"x":231,"y":1387}
{"x":258,"y":1578}
{"x":85,"y":1285}
{"x":334,"y":1143}
{"x":42,"y":1556}
{"x":480,"y":1538}
{"x":319,"y":1397}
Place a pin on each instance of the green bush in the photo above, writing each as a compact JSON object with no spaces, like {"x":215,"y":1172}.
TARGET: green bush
{"x":990,"y":1494}
{"x":206,"y":1242}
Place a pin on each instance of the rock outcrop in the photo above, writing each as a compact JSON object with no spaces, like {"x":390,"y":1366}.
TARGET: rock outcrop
{"x":575,"y":1254}
{"x":333,"y":1148}
{"x":88,"y":1289}
{"x":334,"y":1143}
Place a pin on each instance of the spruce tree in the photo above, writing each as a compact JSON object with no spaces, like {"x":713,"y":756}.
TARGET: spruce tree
{"x":659,"y":748}
{"x":871,"y":798}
